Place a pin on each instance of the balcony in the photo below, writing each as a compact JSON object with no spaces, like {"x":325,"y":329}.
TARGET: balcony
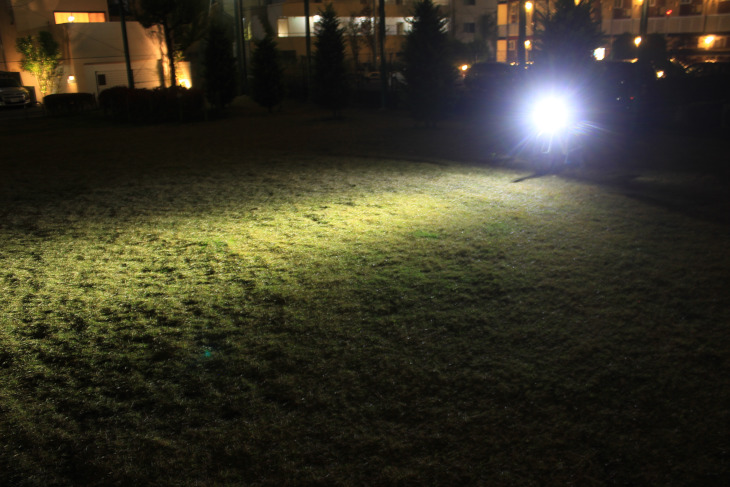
{"x":688,"y":24}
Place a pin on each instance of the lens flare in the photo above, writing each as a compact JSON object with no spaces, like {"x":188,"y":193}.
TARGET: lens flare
{"x":551,"y":114}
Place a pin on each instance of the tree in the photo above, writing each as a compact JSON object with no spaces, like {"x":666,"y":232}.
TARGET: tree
{"x":330,"y":82}
{"x":567,"y":37}
{"x":352,"y":31}
{"x":653,"y":49}
{"x":182,"y":23}
{"x":41,"y":56}
{"x":268,"y":90}
{"x":367,"y":33}
{"x":623,"y":47}
{"x":428,"y":67}
{"x":219,"y":65}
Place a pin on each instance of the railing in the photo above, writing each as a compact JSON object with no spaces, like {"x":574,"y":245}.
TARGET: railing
{"x":698,"y":24}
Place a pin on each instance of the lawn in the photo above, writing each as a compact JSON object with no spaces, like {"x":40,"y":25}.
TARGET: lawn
{"x":272,"y":300}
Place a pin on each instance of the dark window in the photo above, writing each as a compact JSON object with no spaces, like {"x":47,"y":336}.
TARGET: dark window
{"x":101,"y":79}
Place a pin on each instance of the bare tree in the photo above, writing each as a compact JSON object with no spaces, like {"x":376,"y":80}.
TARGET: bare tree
{"x":182,"y":22}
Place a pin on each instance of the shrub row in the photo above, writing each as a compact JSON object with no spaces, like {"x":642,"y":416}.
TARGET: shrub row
{"x":68,"y":103}
{"x":152,"y":106}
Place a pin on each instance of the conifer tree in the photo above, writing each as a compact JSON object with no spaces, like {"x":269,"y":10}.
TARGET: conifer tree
{"x":428,"y":66}
{"x":330,"y":81}
{"x":219,"y":64}
{"x":268,"y":90}
{"x":567,"y":37}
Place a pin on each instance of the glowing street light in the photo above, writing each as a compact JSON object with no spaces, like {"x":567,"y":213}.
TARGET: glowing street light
{"x":528,"y":6}
{"x":637,"y":41}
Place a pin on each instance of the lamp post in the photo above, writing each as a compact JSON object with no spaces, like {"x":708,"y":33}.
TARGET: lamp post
{"x":521,"y":33}
{"x":381,"y":34}
{"x":308,"y":43}
{"x":125,"y":43}
{"x":644,"y":22}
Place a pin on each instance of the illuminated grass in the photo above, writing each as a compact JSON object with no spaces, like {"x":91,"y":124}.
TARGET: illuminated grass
{"x":262,"y":312}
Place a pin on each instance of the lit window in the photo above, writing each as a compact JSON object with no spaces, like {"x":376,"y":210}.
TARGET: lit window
{"x":283,"y":27}
{"x":79,"y":17}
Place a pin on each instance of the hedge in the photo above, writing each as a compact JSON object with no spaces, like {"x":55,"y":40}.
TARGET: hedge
{"x":152,"y":106}
{"x":68,"y":103}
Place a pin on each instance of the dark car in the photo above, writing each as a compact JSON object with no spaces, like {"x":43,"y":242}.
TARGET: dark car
{"x":488,"y":77}
{"x":13,"y":94}
{"x":620,"y":89}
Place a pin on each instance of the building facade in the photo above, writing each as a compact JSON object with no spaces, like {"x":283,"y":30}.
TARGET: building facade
{"x":694,"y":29}
{"x":91,"y":44}
{"x":467,"y":21}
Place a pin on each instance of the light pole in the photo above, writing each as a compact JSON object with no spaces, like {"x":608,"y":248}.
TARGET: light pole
{"x":308,"y":42}
{"x":125,"y":43}
{"x":521,"y":33}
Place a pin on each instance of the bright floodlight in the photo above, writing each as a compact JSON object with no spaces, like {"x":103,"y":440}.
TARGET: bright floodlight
{"x":551,"y":114}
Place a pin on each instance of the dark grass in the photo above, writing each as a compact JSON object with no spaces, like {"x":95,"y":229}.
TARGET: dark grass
{"x":290,"y":300}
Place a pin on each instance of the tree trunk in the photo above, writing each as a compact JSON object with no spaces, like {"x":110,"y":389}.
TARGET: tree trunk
{"x":170,"y":45}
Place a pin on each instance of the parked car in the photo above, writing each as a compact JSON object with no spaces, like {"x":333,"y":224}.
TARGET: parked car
{"x":13,"y":94}
{"x":489,"y":78}
{"x":620,"y":89}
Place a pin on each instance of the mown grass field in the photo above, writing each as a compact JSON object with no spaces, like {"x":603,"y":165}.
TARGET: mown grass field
{"x":290,"y":300}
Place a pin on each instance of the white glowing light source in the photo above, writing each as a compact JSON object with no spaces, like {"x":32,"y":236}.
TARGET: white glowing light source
{"x":71,"y":18}
{"x":185,"y":83}
{"x":528,"y":44}
{"x":637,"y":40}
{"x":528,"y":6}
{"x":72,"y":79}
{"x":599,"y":53}
{"x":464,"y":67}
{"x":551,"y":114}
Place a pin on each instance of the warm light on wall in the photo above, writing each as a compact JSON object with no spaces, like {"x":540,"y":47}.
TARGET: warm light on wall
{"x":708,"y":41}
{"x":185,"y":83}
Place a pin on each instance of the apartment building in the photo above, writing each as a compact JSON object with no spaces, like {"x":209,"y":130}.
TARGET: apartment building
{"x":90,"y":37}
{"x":694,"y":29}
{"x":467,"y":21}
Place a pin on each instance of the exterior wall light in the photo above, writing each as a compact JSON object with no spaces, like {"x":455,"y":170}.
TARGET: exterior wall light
{"x":637,"y":41}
